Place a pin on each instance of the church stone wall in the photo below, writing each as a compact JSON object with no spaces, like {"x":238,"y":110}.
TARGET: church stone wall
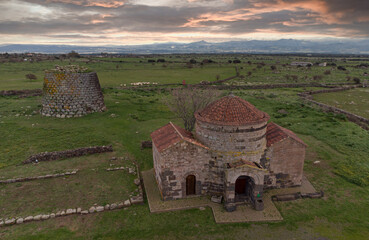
{"x":285,"y":164}
{"x":234,"y":142}
{"x":71,"y":94}
{"x":173,"y":165}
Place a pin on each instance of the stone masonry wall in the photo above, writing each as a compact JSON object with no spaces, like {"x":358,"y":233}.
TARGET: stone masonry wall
{"x":256,"y":191}
{"x":286,"y":162}
{"x":50,"y":156}
{"x":158,"y":160}
{"x":234,"y":142}
{"x":71,"y":94}
{"x":173,"y":165}
{"x":22,"y":93}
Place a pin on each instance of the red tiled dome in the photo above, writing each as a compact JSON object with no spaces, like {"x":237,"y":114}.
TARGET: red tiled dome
{"x":231,"y":110}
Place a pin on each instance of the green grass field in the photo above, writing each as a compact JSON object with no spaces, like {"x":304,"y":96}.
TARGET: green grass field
{"x":340,"y":146}
{"x":355,"y":100}
{"x":116,"y":71}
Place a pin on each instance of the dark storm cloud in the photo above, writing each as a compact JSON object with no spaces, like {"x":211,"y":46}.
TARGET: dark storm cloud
{"x":68,"y":18}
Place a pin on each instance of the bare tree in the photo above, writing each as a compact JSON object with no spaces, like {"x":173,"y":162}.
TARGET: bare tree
{"x":186,"y":101}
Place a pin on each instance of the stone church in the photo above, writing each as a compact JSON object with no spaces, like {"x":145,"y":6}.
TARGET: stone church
{"x":235,"y":153}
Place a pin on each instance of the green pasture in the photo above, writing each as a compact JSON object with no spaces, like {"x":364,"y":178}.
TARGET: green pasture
{"x":355,"y":101}
{"x":114,"y":72}
{"x":339,"y":145}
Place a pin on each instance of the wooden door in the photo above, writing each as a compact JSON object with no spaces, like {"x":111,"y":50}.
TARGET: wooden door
{"x":190,"y":185}
{"x":240,"y":187}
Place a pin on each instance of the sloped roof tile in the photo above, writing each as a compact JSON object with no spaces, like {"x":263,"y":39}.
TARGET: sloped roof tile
{"x":170,"y":134}
{"x":231,"y":111}
{"x":276,"y":133}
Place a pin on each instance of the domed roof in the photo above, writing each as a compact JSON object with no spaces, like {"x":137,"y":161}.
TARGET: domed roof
{"x":231,"y":111}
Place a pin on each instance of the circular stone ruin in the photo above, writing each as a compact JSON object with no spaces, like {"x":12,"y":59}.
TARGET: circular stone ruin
{"x":71,"y":91}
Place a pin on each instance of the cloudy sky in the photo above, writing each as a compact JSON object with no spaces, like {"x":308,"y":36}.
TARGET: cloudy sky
{"x":105,"y":22}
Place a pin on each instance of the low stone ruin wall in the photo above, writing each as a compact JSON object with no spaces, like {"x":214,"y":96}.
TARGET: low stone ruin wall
{"x":245,"y":87}
{"x":72,"y":211}
{"x":281,"y":85}
{"x":25,"y":179}
{"x":51,"y":156}
{"x":359,"y":120}
{"x":136,"y":198}
{"x":295,"y":196}
{"x":336,"y":89}
{"x":22,"y":93}
{"x":216,"y":82}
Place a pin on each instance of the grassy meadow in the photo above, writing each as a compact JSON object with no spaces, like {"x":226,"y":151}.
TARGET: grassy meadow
{"x":355,"y":100}
{"x":339,"y":145}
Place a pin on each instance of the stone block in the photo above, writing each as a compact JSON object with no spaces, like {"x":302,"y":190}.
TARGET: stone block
{"x":28,"y":219}
{"x":70,"y":211}
{"x":100,"y":208}
{"x":19,"y":221}
{"x":10,"y":221}
{"x":217,"y":199}
{"x":92,"y":210}
{"x":84,"y":212}
{"x":127,"y":203}
{"x":137,"y":181}
{"x":136,"y":200}
{"x":120,"y":205}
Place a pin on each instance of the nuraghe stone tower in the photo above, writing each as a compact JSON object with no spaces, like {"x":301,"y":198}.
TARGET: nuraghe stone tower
{"x":70,"y":92}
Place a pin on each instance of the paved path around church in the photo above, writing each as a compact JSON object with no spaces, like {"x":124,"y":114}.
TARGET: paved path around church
{"x":244,"y":213}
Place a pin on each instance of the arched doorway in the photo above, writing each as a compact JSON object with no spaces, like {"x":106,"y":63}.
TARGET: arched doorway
{"x":190,"y":185}
{"x":243,"y":188}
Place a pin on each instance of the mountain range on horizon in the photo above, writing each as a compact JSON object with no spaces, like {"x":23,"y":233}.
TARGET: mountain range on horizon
{"x":281,"y":46}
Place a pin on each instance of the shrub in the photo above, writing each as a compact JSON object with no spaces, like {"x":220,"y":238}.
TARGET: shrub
{"x":294,"y":77}
{"x":73,"y":54}
{"x":207,"y":61}
{"x":357,"y":80}
{"x":31,"y":76}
